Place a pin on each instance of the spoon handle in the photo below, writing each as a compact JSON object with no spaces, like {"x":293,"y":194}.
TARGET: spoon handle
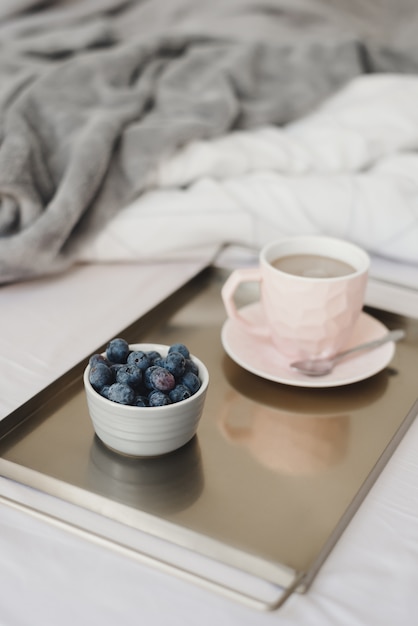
{"x":393,"y":335}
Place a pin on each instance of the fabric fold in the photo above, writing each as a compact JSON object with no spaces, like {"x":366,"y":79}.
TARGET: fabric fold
{"x":95,"y":96}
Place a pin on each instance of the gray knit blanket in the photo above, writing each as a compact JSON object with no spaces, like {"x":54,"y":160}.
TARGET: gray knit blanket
{"x":94,"y":93}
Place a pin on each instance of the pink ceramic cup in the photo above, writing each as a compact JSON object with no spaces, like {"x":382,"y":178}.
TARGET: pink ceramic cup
{"x":306,"y":316}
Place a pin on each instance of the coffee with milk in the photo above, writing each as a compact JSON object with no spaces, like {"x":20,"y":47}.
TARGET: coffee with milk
{"x":310,"y":308}
{"x":312,"y":266}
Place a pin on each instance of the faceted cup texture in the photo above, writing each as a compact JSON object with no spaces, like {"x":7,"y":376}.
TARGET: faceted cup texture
{"x":146,"y":431}
{"x":304,"y":316}
{"x":314,"y":318}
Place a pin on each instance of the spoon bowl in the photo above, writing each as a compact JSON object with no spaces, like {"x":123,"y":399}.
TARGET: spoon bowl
{"x":322,"y":367}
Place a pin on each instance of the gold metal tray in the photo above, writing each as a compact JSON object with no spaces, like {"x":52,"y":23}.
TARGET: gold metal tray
{"x":266,"y":487}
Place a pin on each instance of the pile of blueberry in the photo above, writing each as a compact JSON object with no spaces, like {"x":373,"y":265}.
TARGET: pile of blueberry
{"x":144,"y":378}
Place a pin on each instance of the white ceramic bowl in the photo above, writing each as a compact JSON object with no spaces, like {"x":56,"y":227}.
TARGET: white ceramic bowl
{"x":146,"y":431}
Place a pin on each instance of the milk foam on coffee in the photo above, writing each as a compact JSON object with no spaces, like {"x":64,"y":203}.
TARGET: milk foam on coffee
{"x":312,"y":266}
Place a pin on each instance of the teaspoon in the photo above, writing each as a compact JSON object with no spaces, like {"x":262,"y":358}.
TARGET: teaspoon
{"x":320,"y":367}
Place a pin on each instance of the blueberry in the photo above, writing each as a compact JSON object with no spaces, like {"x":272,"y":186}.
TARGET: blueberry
{"x":140,"y":359}
{"x":104,"y":391}
{"x":121,"y":393}
{"x":153,"y":355}
{"x":98,"y":358}
{"x":115,"y":367}
{"x":141,"y":401}
{"x":100,"y":375}
{"x":191,"y":381}
{"x":144,"y":378}
{"x":191,"y":367}
{"x":147,"y":377}
{"x":161,"y":379}
{"x":179,"y":347}
{"x":129,"y":375}
{"x":117,"y":351}
{"x":175,"y":363}
{"x":179,"y":393}
{"x":158,"y":398}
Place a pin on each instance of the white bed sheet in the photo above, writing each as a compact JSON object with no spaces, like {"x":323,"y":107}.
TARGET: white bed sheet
{"x":348,"y":170}
{"x":52,"y":323}
{"x":49,"y":576}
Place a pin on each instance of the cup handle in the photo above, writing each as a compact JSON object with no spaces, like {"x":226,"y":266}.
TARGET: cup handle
{"x":242,"y":275}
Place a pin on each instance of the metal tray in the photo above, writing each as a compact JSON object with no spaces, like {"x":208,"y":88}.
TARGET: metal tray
{"x":267,"y":486}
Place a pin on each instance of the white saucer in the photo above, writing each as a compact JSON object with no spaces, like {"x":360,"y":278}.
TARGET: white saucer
{"x":258,"y":356}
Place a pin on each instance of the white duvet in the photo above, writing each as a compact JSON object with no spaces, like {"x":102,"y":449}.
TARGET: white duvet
{"x":350,"y":169}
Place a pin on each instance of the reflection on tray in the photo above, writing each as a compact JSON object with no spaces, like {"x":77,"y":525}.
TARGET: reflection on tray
{"x":290,"y":443}
{"x":294,"y":432}
{"x":164,"y":484}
